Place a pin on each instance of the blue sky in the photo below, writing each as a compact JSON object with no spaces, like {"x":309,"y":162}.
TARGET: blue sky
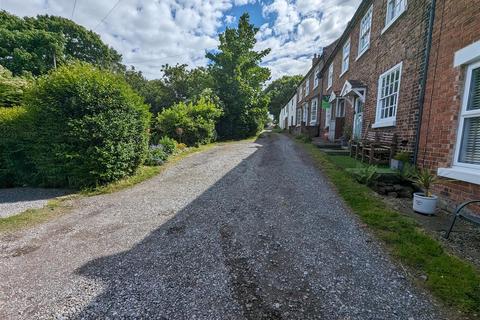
{"x":150,"y":33}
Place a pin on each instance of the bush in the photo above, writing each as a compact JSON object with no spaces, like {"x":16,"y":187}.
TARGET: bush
{"x":367,"y":175}
{"x":91,"y":128}
{"x":156,"y":156}
{"x":169,"y":145}
{"x":11,"y":88}
{"x":303,"y":138}
{"x":16,"y":134}
{"x":192,"y":124}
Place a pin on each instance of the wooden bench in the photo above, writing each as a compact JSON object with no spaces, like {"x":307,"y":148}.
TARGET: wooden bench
{"x":357,"y":145}
{"x":460,"y":213}
{"x":381,"y":150}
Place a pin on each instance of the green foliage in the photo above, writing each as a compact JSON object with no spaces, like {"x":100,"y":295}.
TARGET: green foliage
{"x":455,"y":282}
{"x":11,"y":88}
{"x":192,"y":124}
{"x":366,"y":175}
{"x":91,"y":128}
{"x":303,"y":138}
{"x":156,"y":156}
{"x":80,"y":43}
{"x":16,"y":135}
{"x":169,"y":145}
{"x":402,"y":156}
{"x":34,"y":45}
{"x":178,"y":84}
{"x":280,"y":91}
{"x":425,"y":180}
{"x":238,"y":80}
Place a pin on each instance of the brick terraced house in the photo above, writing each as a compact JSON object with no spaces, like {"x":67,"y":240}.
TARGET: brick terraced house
{"x":450,"y":124}
{"x":409,"y":68}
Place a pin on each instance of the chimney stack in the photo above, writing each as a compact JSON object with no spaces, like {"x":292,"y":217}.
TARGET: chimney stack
{"x":315,"y":59}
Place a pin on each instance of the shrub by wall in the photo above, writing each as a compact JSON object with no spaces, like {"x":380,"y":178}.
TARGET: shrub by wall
{"x":192,"y":123}
{"x":91,"y":128}
{"x":15,"y":138}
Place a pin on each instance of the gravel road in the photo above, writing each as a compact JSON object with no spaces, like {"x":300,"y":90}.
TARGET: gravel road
{"x":17,"y":200}
{"x":242,"y":231}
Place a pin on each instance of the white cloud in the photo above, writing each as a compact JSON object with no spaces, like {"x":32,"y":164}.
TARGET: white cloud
{"x":150,"y":33}
{"x":300,"y":29}
{"x":230,"y":19}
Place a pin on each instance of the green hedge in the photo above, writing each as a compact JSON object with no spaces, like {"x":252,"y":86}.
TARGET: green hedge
{"x":192,"y":123}
{"x":90,"y":127}
{"x":16,"y":134}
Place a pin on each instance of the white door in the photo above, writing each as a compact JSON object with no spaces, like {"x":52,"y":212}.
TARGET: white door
{"x":331,"y":128}
{"x":358,"y":119}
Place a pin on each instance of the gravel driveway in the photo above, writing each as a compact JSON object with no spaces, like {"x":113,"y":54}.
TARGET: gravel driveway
{"x":242,"y":231}
{"x":17,"y":200}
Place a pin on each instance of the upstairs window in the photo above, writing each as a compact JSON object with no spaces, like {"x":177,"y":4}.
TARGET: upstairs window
{"x":387,"y":100}
{"x":316,"y":78}
{"x":394,"y":9}
{"x":313,"y":112}
{"x":307,"y":86}
{"x":365,"y":29}
{"x":468,"y":140}
{"x":330,"y":76}
{"x":346,"y":56}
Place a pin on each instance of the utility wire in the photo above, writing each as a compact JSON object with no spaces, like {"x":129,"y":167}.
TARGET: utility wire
{"x":74,"y":6}
{"x":108,"y":13}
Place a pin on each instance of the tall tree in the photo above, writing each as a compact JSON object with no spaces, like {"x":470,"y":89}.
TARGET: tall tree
{"x":280,"y":91}
{"x":178,"y":84}
{"x":80,"y":43}
{"x":37,"y":44}
{"x":238,"y":79}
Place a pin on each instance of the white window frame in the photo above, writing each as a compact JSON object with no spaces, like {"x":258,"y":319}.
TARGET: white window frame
{"x":330,"y":76}
{"x":313,"y":111}
{"x":365,"y":32}
{"x":399,"y":7}
{"x":307,"y":86}
{"x":345,"y":57}
{"x":337,"y":108}
{"x":464,"y":113}
{"x":316,"y":78}
{"x":305,"y":113}
{"x":390,"y":121}
{"x":299,"y":117}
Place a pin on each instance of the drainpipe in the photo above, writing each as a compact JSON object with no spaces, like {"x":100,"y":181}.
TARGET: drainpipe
{"x":421,"y":99}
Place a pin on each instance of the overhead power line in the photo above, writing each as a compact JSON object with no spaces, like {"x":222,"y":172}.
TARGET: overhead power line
{"x":108,"y":13}
{"x":74,"y":6}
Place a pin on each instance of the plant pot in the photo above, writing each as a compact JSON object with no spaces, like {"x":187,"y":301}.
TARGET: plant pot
{"x":423,"y":204}
{"x":396,"y":164}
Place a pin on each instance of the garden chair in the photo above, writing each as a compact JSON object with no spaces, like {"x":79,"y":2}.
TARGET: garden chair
{"x":460,"y":213}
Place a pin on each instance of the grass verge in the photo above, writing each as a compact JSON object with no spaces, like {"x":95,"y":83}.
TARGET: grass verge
{"x":58,"y":206}
{"x":33,"y":216}
{"x":452,"y":280}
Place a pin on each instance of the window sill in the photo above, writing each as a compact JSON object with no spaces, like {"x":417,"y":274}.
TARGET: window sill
{"x":343,"y":72}
{"x":384,"y":123}
{"x":388,"y":25}
{"x":462,"y":174}
{"x":362,"y":53}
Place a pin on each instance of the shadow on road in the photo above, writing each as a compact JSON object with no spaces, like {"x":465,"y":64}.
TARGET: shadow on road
{"x":204,"y":262}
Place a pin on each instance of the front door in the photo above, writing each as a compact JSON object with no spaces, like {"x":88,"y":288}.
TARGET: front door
{"x":358,"y":119}
{"x":332,"y":125}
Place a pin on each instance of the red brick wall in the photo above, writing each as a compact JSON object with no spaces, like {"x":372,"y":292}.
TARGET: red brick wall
{"x":403,"y":41}
{"x":457,"y":25}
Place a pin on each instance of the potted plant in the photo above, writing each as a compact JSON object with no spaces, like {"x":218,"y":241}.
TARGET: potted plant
{"x":398,"y":162}
{"x":424,"y":202}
